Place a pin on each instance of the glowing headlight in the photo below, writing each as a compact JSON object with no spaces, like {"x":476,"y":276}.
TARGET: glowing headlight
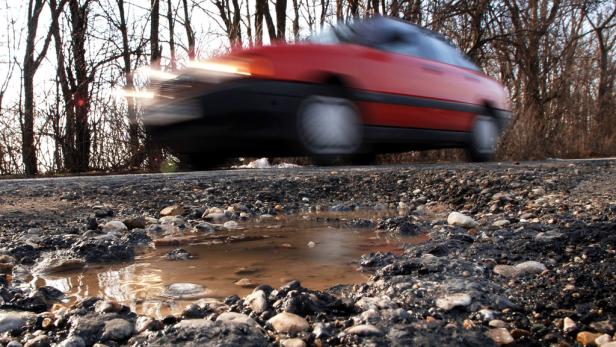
{"x":137,"y":94}
{"x":225,"y":67}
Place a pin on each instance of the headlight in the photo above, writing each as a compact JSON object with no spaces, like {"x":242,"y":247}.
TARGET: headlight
{"x":251,"y":66}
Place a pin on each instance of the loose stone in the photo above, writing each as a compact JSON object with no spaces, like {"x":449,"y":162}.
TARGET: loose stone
{"x":288,"y":323}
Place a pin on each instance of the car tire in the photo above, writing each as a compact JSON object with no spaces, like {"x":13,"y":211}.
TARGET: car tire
{"x":329,"y":128}
{"x":484,"y":138}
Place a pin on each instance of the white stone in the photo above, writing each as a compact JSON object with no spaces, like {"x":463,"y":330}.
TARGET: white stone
{"x":530,"y":267}
{"x":257,"y":301}
{"x":311,"y":244}
{"x":368,"y":302}
{"x":364,"y":330}
{"x":603,"y":339}
{"x":289,"y":323}
{"x":114,"y":226}
{"x":497,"y":323}
{"x":450,"y":301}
{"x":293,"y":343}
{"x":501,"y":223}
{"x":461,"y":220}
{"x":52,"y":265}
{"x":500,"y":336}
{"x":569,"y":325}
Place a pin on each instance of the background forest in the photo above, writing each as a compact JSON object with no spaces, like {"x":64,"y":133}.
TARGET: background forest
{"x":62,"y":60}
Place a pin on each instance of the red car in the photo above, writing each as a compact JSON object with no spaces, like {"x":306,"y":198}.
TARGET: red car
{"x":373,"y":86}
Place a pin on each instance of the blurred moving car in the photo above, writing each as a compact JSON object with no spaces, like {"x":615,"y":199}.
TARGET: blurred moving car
{"x":372,"y":86}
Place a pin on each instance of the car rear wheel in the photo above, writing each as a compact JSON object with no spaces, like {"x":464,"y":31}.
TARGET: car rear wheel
{"x":329,"y":128}
{"x":484,"y":138}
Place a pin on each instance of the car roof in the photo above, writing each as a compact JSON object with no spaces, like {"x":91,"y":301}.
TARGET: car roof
{"x":379,"y":22}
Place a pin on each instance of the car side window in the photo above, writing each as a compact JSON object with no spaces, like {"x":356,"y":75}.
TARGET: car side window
{"x":402,"y":44}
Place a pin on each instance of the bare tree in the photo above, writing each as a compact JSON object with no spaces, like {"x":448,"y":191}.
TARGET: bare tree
{"x":31,"y":63}
{"x":601,"y":26}
{"x":171,"y":21}
{"x":190,"y":35}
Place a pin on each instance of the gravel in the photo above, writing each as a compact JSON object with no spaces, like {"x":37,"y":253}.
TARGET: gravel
{"x":515,"y":254}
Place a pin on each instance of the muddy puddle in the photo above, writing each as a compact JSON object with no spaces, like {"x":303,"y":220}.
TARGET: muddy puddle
{"x":319,"y":249}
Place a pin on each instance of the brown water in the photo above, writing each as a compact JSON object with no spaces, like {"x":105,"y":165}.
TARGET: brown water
{"x":282,"y":257}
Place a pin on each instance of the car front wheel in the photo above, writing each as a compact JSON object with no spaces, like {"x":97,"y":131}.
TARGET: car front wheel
{"x":329,"y":128}
{"x":484,"y":138}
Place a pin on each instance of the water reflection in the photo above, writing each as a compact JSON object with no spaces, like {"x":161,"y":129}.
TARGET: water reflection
{"x":217,"y":267}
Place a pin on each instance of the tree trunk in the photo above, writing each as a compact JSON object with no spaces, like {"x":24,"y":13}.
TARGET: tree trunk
{"x":79,"y":25}
{"x":190,"y":35}
{"x":281,"y":19}
{"x":136,"y":154}
{"x":259,"y":14}
{"x":30,"y":65}
{"x":171,"y":21}
{"x":296,"y":20}
{"x":153,"y":151}
{"x":154,"y":43}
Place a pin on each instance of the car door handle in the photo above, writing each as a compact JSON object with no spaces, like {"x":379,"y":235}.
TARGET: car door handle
{"x":432,"y":68}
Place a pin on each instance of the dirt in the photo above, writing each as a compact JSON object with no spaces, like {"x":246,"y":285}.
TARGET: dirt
{"x":539,"y":252}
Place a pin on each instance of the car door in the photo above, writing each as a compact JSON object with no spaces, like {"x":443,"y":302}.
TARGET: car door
{"x":412,"y":90}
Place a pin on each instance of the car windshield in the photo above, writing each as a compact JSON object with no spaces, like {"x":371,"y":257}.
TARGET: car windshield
{"x":381,"y":32}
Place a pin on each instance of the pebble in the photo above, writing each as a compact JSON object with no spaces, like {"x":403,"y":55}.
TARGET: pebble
{"x":245,"y":283}
{"x":293,"y":343}
{"x":603,"y":339}
{"x":311,"y":244}
{"x":173,"y":210}
{"x":144,"y":323}
{"x":586,"y":338}
{"x":448,"y":302}
{"x":215,"y":217}
{"x":501,"y":223}
{"x":527,"y":267}
{"x":257,"y":301}
{"x":51,"y":265}
{"x":364,"y":330}
{"x":72,"y":341}
{"x":39,"y":341}
{"x":500,"y":336}
{"x":289,"y":323}
{"x":461,"y":220}
{"x":603,"y":326}
{"x":497,"y":323}
{"x":114,"y":226}
{"x":236,"y":318}
{"x":11,"y":320}
{"x":569,"y":325}
{"x":117,"y":329}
